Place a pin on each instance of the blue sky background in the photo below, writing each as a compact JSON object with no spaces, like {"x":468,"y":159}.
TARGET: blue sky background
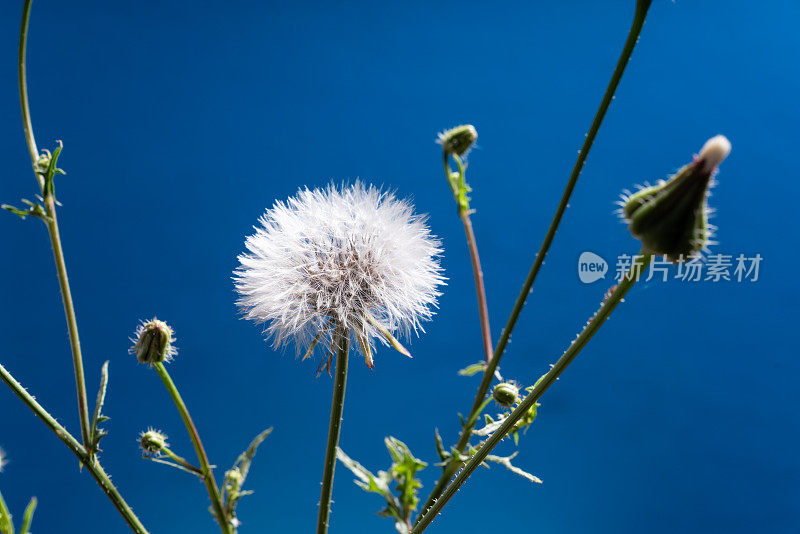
{"x":183,"y":121}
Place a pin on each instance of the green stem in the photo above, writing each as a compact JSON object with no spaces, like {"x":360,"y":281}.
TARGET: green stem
{"x":91,"y":463}
{"x":477,"y":272}
{"x":182,"y":462}
{"x":342,"y":341}
{"x":545,"y":382}
{"x":52,"y":228}
{"x":205,"y":466}
{"x":23,"y":87}
{"x":642,"y":7}
{"x":72,"y":323}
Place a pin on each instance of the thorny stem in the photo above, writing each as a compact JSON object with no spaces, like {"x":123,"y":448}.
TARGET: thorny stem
{"x":342,"y":341}
{"x":642,"y":7}
{"x":545,"y":382}
{"x":477,"y":272}
{"x":90,"y":462}
{"x":205,"y":465}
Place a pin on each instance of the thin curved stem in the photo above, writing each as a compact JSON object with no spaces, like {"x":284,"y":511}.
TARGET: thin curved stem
{"x":23,"y":86}
{"x":52,"y":228}
{"x":337,"y":407}
{"x":642,"y":7}
{"x":91,"y":463}
{"x":541,"y":386}
{"x":472,"y":245}
{"x":205,"y":465}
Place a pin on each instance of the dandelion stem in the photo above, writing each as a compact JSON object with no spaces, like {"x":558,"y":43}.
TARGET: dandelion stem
{"x":91,"y":463}
{"x":342,"y":341}
{"x":205,"y":466}
{"x":642,"y":7}
{"x":545,"y":382}
{"x":477,"y":272}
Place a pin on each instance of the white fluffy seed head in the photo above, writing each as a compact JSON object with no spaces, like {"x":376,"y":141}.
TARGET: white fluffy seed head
{"x":351,"y":257}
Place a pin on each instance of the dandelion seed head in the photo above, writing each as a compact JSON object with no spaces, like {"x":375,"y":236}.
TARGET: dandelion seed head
{"x":352,"y":257}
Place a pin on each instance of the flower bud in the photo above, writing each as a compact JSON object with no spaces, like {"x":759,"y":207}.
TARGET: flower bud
{"x":152,"y":441}
{"x":234,"y":478}
{"x":506,"y":394}
{"x":152,"y":342}
{"x":671,"y":218}
{"x":458,"y":140}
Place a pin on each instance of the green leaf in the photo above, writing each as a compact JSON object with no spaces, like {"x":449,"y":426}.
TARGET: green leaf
{"x":443,"y":454}
{"x":473,"y":369}
{"x":6,"y":524}
{"x":98,"y":418}
{"x":373,"y":484}
{"x":28,"y":517}
{"x":246,"y":458}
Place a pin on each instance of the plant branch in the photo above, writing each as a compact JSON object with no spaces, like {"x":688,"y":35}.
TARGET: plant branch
{"x":52,"y":228}
{"x":642,"y":7}
{"x":205,"y":466}
{"x":91,"y":463}
{"x":342,"y":341}
{"x":541,"y":386}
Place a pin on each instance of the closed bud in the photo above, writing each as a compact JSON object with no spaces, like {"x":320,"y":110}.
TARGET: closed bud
{"x":458,"y":140}
{"x":152,"y":342}
{"x":506,"y":394}
{"x":152,"y":441}
{"x":671,"y":218}
{"x":234,"y":478}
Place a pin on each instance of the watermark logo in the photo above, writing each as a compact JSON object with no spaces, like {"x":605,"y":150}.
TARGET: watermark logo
{"x":711,"y":268}
{"x":591,"y":267}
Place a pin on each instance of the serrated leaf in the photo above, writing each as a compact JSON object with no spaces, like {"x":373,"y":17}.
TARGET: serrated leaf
{"x":506,"y":462}
{"x":372,"y":483}
{"x":246,"y":458}
{"x":98,"y":418}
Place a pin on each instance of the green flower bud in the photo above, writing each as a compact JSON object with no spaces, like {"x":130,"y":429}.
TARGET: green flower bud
{"x":506,"y":394}
{"x":152,"y":342}
{"x":152,"y":441}
{"x":234,"y":479}
{"x":671,"y":218}
{"x":458,"y":140}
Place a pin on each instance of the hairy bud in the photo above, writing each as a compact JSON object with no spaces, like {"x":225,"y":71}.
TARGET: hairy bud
{"x":152,"y":342}
{"x":458,"y":140}
{"x":152,"y":441}
{"x":506,"y":394}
